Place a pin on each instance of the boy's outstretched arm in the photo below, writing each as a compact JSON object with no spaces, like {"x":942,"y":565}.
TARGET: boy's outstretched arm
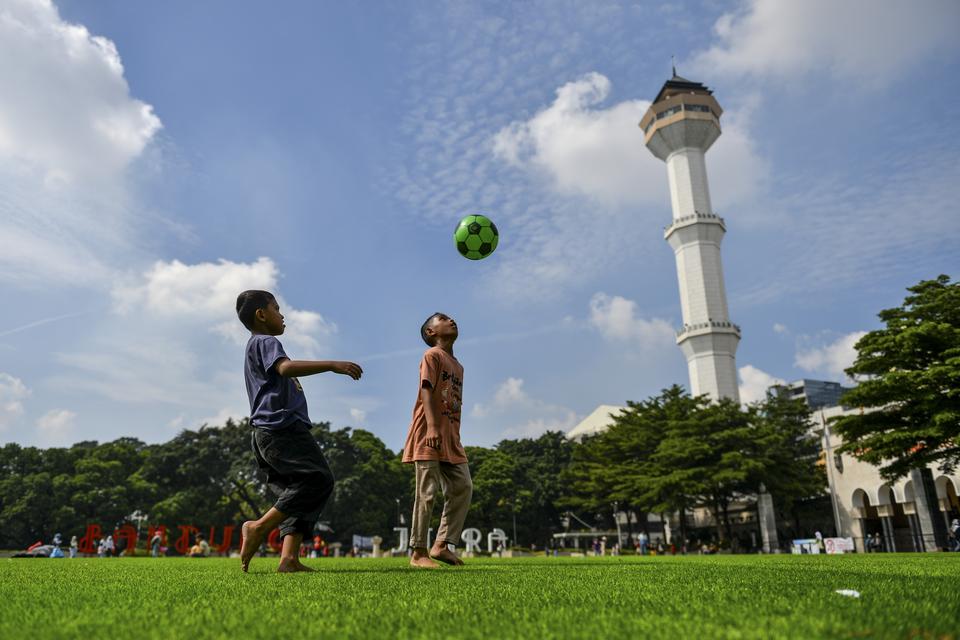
{"x":296,"y":368}
{"x":433,"y":438}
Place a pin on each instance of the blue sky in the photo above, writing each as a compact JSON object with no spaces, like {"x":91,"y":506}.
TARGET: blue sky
{"x":157,"y":158}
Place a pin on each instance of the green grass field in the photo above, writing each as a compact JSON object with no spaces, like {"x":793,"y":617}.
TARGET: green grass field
{"x":695,"y":598}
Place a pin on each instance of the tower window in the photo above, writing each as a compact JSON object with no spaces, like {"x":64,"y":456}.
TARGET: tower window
{"x":669,"y":112}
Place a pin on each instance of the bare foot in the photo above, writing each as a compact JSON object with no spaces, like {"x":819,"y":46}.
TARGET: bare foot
{"x":251,"y":537}
{"x":446,"y":556}
{"x":287,"y":566}
{"x":423,"y":563}
{"x":302,"y":567}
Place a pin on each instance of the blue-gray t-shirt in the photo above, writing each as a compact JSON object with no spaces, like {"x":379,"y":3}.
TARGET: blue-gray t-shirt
{"x":275,"y":401}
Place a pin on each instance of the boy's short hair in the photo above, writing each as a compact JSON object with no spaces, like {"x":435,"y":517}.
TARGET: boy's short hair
{"x":249,"y":302}
{"x":426,"y":324}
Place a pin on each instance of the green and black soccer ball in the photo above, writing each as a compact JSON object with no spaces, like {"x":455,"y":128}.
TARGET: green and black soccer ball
{"x":476,"y":237}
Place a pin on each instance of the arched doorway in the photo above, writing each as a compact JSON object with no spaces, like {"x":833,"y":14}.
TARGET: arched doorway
{"x":947,"y":496}
{"x":867,"y":518}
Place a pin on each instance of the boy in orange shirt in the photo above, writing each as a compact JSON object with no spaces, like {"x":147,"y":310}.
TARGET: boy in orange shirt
{"x":433,"y":446}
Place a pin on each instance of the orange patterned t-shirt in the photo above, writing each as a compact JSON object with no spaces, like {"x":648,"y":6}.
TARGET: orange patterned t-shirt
{"x":445,"y":375}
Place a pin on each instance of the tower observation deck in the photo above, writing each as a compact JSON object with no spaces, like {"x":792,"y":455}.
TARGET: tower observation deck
{"x":681,"y":124}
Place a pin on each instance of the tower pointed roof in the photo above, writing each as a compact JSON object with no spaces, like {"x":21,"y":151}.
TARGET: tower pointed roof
{"x":678,"y":84}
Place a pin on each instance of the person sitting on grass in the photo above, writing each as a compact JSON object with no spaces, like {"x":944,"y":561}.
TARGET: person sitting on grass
{"x":433,"y":446}
{"x":200,"y":548}
{"x":285,"y":450}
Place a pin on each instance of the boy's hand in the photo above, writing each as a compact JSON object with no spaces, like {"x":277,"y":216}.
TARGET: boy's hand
{"x":348,"y":369}
{"x":433,"y":438}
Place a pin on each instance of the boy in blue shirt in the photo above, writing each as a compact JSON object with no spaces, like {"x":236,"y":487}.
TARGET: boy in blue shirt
{"x":286,"y":451}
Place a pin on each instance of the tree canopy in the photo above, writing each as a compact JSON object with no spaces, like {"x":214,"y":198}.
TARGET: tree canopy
{"x":908,"y":390}
{"x":662,"y":455}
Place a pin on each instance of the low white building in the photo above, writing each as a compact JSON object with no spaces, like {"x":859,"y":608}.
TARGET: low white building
{"x":599,"y":420}
{"x":866,"y":504}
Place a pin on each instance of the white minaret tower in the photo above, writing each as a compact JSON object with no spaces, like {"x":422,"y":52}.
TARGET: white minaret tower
{"x":679,"y":127}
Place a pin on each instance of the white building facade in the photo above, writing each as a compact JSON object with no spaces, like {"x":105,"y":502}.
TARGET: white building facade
{"x":866,"y":504}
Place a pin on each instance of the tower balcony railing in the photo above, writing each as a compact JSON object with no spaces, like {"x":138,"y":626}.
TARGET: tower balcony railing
{"x":695,"y":216}
{"x":704,"y":327}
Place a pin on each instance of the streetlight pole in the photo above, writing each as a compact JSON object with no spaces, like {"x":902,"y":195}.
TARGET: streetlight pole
{"x":398,"y":511}
{"x":616,"y":518}
{"x":514,"y":510}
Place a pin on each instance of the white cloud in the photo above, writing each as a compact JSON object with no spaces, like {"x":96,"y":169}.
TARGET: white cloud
{"x":600,"y":152}
{"x":71,"y":113}
{"x":358,"y":415}
{"x":509,"y":393}
{"x":220,"y":417}
{"x":780,"y":328}
{"x":861,"y":41}
{"x":55,"y":426}
{"x":69,"y":133}
{"x":537,"y":426}
{"x":616,"y":319}
{"x":831,"y":359}
{"x":754,"y":384}
{"x":526,"y":416}
{"x":594,"y":152}
{"x":174,"y":340}
{"x":207,"y":292}
{"x":12,"y":394}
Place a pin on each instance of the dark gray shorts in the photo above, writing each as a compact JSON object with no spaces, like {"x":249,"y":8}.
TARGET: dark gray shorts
{"x":297,"y":472}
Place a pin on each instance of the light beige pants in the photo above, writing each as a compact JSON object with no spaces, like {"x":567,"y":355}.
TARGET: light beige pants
{"x":454,"y":480}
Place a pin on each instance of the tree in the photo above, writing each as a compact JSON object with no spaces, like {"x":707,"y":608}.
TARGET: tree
{"x":790,"y":452}
{"x":908,"y":390}
{"x":369,"y":480}
{"x":538,"y":484}
{"x":495,"y":490}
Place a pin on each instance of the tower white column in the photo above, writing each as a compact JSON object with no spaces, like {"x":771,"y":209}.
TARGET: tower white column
{"x":681,"y":124}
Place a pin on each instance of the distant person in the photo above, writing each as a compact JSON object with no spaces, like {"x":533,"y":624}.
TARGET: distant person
{"x":109,"y":546}
{"x":101,"y":547}
{"x":201,"y":548}
{"x":74,"y":546}
{"x":955,"y":534}
{"x":644,"y":542}
{"x":155,"y":543}
{"x":433,"y":446}
{"x":317,"y":545}
{"x":285,"y":450}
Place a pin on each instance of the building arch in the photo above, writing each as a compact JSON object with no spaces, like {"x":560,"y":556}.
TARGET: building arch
{"x":948,"y":497}
{"x":903,"y":491}
{"x":883,"y":495}
{"x":944,"y":483}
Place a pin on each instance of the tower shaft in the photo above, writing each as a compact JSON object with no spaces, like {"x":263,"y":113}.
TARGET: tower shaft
{"x":681,"y":124}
